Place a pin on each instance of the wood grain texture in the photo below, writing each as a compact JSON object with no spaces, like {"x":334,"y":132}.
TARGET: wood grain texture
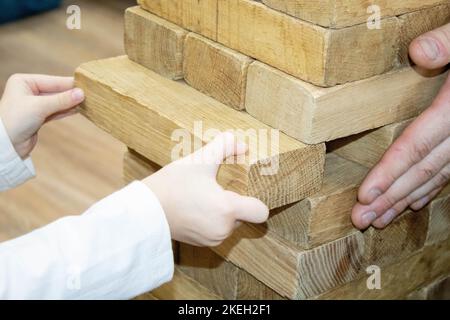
{"x":438,"y":289}
{"x":154,"y":42}
{"x":136,"y":167}
{"x":439,"y":223}
{"x":222,"y":277}
{"x":304,"y":50}
{"x":401,"y":278}
{"x":417,"y":23}
{"x":368,"y":148}
{"x":404,"y":236}
{"x":182,"y":287}
{"x":143,"y":110}
{"x":199,"y":16}
{"x":216,"y":70}
{"x":343,"y":13}
{"x":312,"y":114}
{"x":324,"y":216}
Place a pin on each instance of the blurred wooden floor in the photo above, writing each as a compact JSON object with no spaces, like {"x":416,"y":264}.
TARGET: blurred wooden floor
{"x":77,"y":164}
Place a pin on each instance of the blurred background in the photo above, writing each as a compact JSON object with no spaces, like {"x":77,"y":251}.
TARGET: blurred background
{"x":77,"y":164}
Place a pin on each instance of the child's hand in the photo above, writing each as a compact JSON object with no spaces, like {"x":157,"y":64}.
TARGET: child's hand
{"x":199,"y":211}
{"x":29,"y":101}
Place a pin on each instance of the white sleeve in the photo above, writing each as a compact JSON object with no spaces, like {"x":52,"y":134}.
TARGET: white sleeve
{"x":13,"y":170}
{"x":118,"y":249}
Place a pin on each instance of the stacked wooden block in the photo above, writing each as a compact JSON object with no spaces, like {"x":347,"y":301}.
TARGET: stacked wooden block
{"x":316,"y":71}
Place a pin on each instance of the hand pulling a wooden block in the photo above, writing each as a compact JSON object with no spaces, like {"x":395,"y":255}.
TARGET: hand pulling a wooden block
{"x":183,"y":200}
{"x":199,"y":211}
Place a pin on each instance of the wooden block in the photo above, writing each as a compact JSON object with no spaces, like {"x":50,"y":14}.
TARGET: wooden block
{"x":439,"y":224}
{"x":182,"y":287}
{"x":312,"y":114}
{"x":404,"y":236}
{"x":151,"y":114}
{"x":324,"y":216}
{"x":199,"y":16}
{"x":154,"y":43}
{"x":221,"y":277}
{"x":343,"y":13}
{"x":368,"y":148}
{"x":216,"y":70}
{"x":136,"y":167}
{"x":304,"y":50}
{"x":438,"y":289}
{"x":399,"y":279}
{"x":416,"y":23}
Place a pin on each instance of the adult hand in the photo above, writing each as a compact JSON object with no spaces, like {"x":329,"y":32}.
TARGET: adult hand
{"x":417,"y":166}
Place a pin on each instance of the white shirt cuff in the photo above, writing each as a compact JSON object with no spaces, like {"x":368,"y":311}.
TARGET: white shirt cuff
{"x":13,"y":170}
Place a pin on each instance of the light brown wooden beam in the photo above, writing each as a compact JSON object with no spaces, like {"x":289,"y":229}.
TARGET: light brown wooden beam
{"x":399,"y":279}
{"x":145,"y":110}
{"x":367,"y":148}
{"x":324,"y":216}
{"x":438,"y":289}
{"x":304,"y":50}
{"x":439,"y":224}
{"x":181,"y":287}
{"x":216,"y":70}
{"x":154,"y":42}
{"x":344,"y":13}
{"x":416,"y":23}
{"x":199,"y":16}
{"x":312,"y":114}
{"x":339,"y":14}
{"x":222,"y":277}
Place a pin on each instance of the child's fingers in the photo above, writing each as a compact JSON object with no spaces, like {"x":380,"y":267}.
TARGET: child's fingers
{"x":247,"y":208}
{"x":56,"y":103}
{"x":63,"y":114}
{"x":213,"y":154}
{"x":37,"y":84}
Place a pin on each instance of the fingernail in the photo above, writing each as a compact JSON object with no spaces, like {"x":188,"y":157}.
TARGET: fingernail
{"x":369,"y":217}
{"x":429,"y":48}
{"x":374,"y":194}
{"x":388,"y":216}
{"x":421,"y":203}
{"x":77,"y":95}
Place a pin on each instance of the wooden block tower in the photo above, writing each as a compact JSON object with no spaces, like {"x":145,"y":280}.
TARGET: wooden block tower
{"x":315,"y":72}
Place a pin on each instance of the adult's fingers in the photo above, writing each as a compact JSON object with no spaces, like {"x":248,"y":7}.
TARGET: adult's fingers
{"x":52,"y":104}
{"x":383,"y":221}
{"x":432,"y":49}
{"x":423,"y":202}
{"x":430,"y":168}
{"x":247,"y":208}
{"x":429,"y":130}
{"x":363,"y":216}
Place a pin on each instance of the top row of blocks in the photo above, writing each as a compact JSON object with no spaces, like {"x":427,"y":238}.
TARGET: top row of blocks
{"x":322,"y":56}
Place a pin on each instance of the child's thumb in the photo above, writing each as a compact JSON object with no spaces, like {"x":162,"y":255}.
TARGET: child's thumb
{"x":63,"y":101}
{"x":247,"y":208}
